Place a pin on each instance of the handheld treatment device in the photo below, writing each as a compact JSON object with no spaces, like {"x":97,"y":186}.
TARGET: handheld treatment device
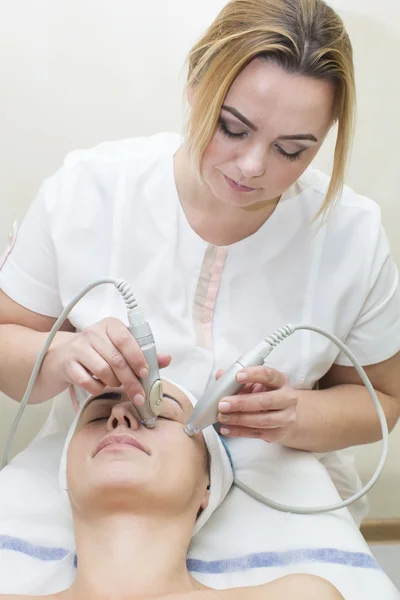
{"x":149,"y":411}
{"x":206,"y":410}
{"x":141,"y":331}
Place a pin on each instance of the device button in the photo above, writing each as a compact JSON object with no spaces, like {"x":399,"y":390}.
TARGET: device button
{"x":156,"y":397}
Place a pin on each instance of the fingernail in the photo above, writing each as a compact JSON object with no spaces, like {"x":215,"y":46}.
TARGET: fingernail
{"x":225,"y":431}
{"x":241,"y":376}
{"x":224,"y":418}
{"x":143,"y":373}
{"x":139,"y":399}
{"x":224,"y":406}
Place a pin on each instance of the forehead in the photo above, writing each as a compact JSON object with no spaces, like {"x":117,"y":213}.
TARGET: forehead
{"x":265,"y":91}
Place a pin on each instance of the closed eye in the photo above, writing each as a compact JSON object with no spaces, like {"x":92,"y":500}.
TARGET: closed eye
{"x":98,"y":419}
{"x":289,"y":156}
{"x":230,"y":134}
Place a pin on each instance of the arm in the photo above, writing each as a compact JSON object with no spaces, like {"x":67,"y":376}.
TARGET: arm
{"x":22,"y":335}
{"x":341,"y":414}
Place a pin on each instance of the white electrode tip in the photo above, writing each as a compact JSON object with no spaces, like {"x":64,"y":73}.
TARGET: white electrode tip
{"x":189,"y":429}
{"x":150,"y":423}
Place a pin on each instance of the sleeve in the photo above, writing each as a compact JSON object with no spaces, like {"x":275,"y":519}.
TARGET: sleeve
{"x":29,"y":273}
{"x":375,"y":335}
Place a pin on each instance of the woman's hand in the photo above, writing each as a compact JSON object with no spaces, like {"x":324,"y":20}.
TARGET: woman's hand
{"x":104,"y":354}
{"x":265,"y":408}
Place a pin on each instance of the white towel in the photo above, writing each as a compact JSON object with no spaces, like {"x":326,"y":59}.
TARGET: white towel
{"x":243,"y":543}
{"x":248,"y":543}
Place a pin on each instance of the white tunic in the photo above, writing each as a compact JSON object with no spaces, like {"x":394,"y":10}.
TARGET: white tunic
{"x":114,"y":211}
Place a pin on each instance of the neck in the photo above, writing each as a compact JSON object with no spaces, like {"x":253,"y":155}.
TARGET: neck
{"x":125,"y":556}
{"x":215,"y":221}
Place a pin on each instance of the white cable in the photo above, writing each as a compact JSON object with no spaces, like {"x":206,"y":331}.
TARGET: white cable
{"x":275,"y":339}
{"x":131,"y":305}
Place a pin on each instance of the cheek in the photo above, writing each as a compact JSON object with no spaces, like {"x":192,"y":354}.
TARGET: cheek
{"x":218,"y":152}
{"x":285,"y":173}
{"x":80,"y":451}
{"x":182,"y":456}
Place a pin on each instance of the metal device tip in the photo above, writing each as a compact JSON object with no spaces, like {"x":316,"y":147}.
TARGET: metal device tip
{"x":150,"y":423}
{"x":189,"y":429}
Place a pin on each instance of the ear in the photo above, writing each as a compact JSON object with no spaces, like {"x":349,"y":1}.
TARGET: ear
{"x":206,"y":499}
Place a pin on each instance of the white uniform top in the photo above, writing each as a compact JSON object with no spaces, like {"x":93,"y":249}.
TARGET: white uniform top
{"x":114,"y":211}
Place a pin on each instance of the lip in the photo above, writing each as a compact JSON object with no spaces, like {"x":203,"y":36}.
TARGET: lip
{"x":123,"y":439}
{"x":238,"y":187}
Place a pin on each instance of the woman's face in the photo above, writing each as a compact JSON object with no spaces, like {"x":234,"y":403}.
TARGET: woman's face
{"x":116,"y":461}
{"x":271,"y":126}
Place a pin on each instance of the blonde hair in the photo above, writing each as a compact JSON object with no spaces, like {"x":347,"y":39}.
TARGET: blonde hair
{"x":304,"y":37}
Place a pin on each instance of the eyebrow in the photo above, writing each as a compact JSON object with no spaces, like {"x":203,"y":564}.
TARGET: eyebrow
{"x":297,"y":136}
{"x":239,"y":116}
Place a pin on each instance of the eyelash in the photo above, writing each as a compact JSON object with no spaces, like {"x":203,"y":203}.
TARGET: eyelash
{"x":291,"y":157}
{"x":229,"y":134}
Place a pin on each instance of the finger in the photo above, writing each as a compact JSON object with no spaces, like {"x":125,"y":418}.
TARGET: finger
{"x":78,"y":375}
{"x":267,"y":420}
{"x":269,"y":377}
{"x":247,"y":388}
{"x":268,"y":435}
{"x":123,"y":373}
{"x":255,"y":388}
{"x":97,"y":365}
{"x":164,"y":360}
{"x":259,"y":402}
{"x":126,"y":344}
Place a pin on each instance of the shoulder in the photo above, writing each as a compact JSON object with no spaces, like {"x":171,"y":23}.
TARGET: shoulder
{"x":113,"y":153}
{"x":18,"y":597}
{"x":89,"y":176}
{"x":314,"y":184}
{"x":355,"y":220}
{"x":299,"y":586}
{"x":353,"y":245}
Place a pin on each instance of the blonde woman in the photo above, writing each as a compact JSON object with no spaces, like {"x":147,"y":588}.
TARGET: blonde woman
{"x":136,"y":494}
{"x":225,"y":233}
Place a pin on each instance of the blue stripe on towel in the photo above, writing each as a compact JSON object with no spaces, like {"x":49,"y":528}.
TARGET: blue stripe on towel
{"x":264,"y":560}
{"x":40,"y":552}
{"x":260,"y":560}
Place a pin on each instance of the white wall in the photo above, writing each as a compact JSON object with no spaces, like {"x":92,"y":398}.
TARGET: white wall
{"x":77,"y":72}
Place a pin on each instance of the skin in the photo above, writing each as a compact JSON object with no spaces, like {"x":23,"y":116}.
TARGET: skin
{"x":134,"y":509}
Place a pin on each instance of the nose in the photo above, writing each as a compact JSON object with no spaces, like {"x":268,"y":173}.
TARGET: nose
{"x":123,"y":415}
{"x":253,"y":162}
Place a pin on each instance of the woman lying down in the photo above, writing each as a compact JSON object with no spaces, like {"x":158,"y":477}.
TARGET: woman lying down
{"x":137,"y":497}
